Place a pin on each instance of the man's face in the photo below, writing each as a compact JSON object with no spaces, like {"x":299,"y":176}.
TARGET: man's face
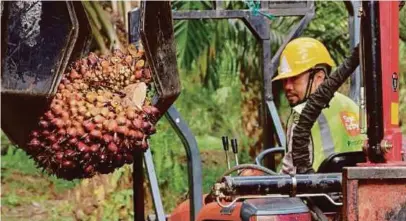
{"x":295,"y":87}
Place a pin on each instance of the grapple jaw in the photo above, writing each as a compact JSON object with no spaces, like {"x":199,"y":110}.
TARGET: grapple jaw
{"x":157,"y":37}
{"x":39,"y":39}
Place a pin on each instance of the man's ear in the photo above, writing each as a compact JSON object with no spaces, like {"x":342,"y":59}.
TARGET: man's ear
{"x":319,"y":78}
{"x":320,"y":75}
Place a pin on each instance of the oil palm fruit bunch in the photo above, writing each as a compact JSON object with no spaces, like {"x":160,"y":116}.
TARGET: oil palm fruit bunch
{"x":99,"y":116}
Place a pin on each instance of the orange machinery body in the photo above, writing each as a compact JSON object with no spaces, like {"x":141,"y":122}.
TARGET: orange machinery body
{"x":212,"y":211}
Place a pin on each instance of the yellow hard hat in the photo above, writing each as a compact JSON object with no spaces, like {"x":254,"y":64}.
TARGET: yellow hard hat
{"x":300,"y":55}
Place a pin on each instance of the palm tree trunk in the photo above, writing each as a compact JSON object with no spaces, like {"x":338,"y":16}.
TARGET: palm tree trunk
{"x":251,"y":101}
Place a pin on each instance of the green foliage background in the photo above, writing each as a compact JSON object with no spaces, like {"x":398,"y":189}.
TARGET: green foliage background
{"x":210,"y":56}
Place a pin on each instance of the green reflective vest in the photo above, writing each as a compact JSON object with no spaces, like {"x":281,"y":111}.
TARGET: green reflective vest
{"x":335,"y":131}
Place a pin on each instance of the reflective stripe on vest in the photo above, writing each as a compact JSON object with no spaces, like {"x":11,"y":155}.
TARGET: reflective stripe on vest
{"x":325,"y":134}
{"x":334,"y":130}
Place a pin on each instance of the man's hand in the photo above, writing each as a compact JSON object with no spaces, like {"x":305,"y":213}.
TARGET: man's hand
{"x":287,"y":164}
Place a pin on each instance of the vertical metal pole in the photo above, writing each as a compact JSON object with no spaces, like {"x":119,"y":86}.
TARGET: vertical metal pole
{"x":138,"y":187}
{"x":389,"y":81}
{"x":154,"y":187}
{"x":373,"y":77}
{"x":354,"y":25}
{"x":138,"y":170}
{"x":194,"y":161}
{"x":268,"y":126}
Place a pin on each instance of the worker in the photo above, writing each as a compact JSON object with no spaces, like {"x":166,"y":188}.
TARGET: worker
{"x":304,"y":64}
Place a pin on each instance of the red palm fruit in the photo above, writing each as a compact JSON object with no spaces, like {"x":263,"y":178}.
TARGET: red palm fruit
{"x":107,"y":138}
{"x":51,"y":138}
{"x":59,"y":156}
{"x":87,"y":156}
{"x":128,"y":157}
{"x":139,"y":135}
{"x":152,"y":130}
{"x":43,"y":124}
{"x":80,"y":132}
{"x":45,"y":132}
{"x":144,"y":145}
{"x":35,"y":143}
{"x":87,"y":140}
{"x":58,"y":122}
{"x":89,"y":126}
{"x":94,"y":148}
{"x":82,"y":147}
{"x":138,"y":74}
{"x":154,"y":110}
{"x":112,"y":147}
{"x":61,"y":132}
{"x":56,"y":147}
{"x":34,"y":134}
{"x":71,"y":131}
{"x":147,"y":73}
{"x":122,"y":130}
{"x":137,"y":123}
{"x":146,"y":125}
{"x":73,"y":141}
{"x":67,"y":164}
{"x":103,"y":157}
{"x":69,"y":153}
{"x":49,"y":115}
{"x":132,"y":134}
{"x":89,"y":169}
{"x":96,"y":134}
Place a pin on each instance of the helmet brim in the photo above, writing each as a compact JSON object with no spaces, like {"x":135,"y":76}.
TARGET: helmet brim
{"x":283,"y":76}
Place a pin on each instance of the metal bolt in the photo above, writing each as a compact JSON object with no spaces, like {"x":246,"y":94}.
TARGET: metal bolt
{"x":386,"y":146}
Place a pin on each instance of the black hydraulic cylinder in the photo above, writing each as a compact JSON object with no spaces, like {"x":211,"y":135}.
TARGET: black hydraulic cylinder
{"x":283,"y":184}
{"x":371,"y":50}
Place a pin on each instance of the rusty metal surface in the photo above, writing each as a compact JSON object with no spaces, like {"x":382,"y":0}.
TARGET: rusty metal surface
{"x":350,"y":208}
{"x":38,"y":39}
{"x":382,"y":200}
{"x":377,"y":172}
{"x":374,"y":193}
{"x":157,"y":36}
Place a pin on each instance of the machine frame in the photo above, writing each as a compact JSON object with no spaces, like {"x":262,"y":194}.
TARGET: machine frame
{"x":260,"y":28}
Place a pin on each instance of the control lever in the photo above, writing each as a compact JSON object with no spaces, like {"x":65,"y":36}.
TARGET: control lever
{"x":225,"y":147}
{"x":234,"y":146}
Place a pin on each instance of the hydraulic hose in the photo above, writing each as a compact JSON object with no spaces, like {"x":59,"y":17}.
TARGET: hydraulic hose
{"x":316,"y":102}
{"x":246,"y":166}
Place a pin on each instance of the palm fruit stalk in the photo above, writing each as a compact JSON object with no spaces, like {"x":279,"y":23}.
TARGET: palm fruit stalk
{"x":99,"y":116}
